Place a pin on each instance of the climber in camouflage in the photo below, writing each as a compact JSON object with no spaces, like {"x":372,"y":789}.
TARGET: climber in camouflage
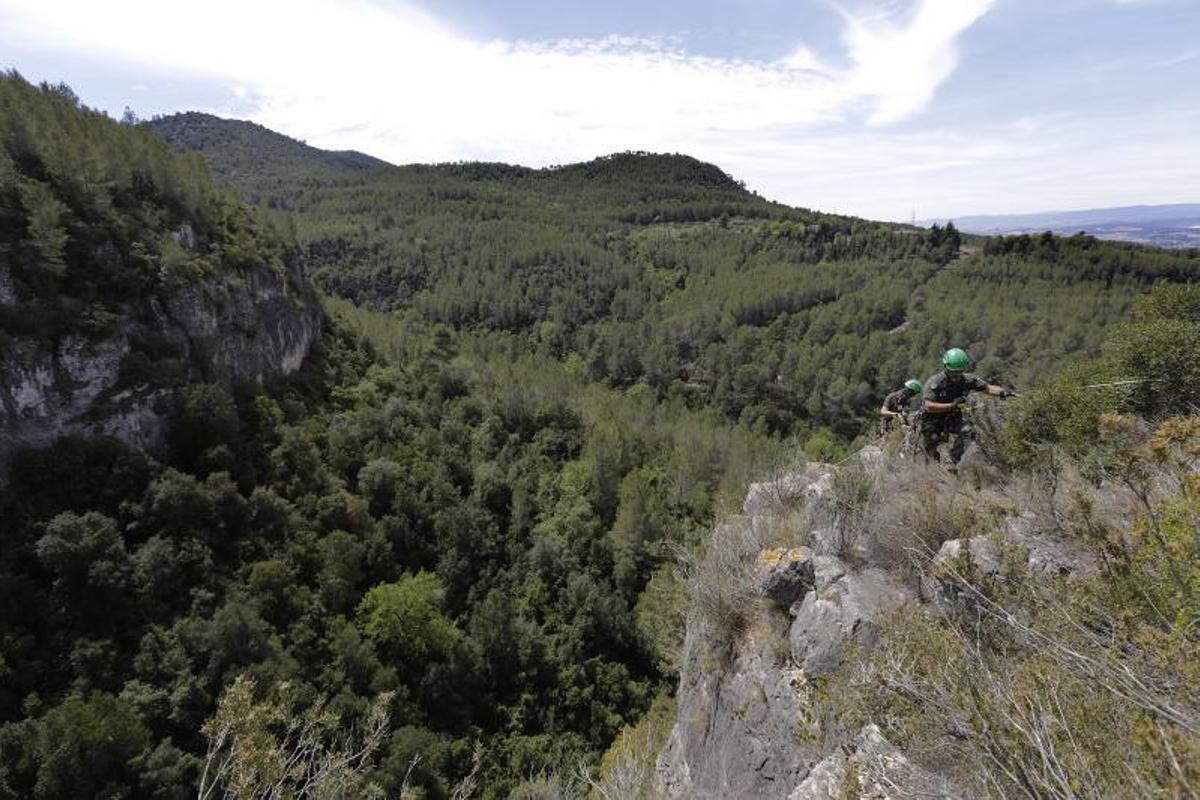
{"x":895,"y":406}
{"x":945,"y":394}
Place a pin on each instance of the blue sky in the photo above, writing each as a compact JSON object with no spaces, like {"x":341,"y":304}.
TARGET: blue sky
{"x":882,"y":108}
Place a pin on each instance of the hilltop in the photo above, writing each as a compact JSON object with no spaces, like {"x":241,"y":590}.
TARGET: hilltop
{"x":246,"y":147}
{"x":662,"y":271}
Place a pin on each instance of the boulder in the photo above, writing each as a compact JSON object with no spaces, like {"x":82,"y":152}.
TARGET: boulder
{"x":1044,"y":555}
{"x":845,"y":609}
{"x":796,"y":489}
{"x":827,"y":570}
{"x":785,"y":575}
{"x":871,"y":768}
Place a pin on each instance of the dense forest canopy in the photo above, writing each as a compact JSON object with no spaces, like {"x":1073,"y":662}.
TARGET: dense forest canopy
{"x":660,"y":270}
{"x":477,"y":532}
{"x":92,"y":215}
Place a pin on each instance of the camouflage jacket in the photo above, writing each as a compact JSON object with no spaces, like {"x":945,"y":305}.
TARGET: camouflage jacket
{"x":940,"y":389}
{"x":898,"y":400}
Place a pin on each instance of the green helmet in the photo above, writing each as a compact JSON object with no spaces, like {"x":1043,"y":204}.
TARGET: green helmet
{"x":914,"y":385}
{"x":956,"y":360}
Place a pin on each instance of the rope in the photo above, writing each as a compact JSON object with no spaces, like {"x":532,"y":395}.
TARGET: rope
{"x":1119,"y":383}
{"x":852,"y":455}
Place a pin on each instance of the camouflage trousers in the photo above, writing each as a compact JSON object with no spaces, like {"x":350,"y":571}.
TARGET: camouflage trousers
{"x":935,"y":430}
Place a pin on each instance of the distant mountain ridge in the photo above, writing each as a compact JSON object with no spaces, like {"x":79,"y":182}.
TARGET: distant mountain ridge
{"x":1172,"y":225}
{"x":243,"y":145}
{"x":240,"y":151}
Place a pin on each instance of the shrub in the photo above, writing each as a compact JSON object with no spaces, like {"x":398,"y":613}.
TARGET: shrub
{"x":720,"y":582}
{"x":1164,"y":354}
{"x":405,"y":619}
{"x":1063,"y":688}
{"x":1151,"y":366}
{"x":279,"y":748}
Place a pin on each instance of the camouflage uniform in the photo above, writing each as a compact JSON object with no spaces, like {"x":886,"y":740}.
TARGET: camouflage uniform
{"x":896,"y":402}
{"x":936,"y":427}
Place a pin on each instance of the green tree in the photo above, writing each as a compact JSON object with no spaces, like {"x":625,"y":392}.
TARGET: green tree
{"x":83,"y":747}
{"x":406,"y":621}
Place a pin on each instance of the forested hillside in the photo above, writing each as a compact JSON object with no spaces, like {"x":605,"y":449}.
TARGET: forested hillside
{"x":477,"y":536}
{"x":463,"y":512}
{"x":660,"y":270}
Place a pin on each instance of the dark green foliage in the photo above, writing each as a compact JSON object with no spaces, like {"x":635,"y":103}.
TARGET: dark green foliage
{"x":1150,"y":367}
{"x":469,"y":530}
{"x":83,"y":747}
{"x":661,"y":272}
{"x":95,"y":216}
{"x":1161,"y":346}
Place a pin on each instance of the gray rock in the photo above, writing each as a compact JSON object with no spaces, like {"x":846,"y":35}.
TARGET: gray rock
{"x":827,"y":570}
{"x":846,"y":609}
{"x":243,"y":325}
{"x":984,"y":553}
{"x":185,"y":236}
{"x":785,"y":575}
{"x":796,"y":489}
{"x":880,"y":772}
{"x":1044,"y":555}
{"x":741,"y":728}
{"x":8,"y":290}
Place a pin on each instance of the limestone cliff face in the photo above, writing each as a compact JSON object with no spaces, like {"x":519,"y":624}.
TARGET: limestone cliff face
{"x":742,"y":728}
{"x":244,"y":325}
{"x":749,"y":723}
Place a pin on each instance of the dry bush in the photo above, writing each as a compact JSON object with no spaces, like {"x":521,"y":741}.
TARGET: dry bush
{"x":899,"y":511}
{"x":627,"y":769}
{"x":1082,"y":687}
{"x":274,"y":749}
{"x":556,"y":784}
{"x":1032,"y":703}
{"x":721,"y":579}
{"x":853,"y":499}
{"x":933,"y":518}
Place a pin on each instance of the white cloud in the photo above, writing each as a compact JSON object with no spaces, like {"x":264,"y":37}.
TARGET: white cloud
{"x":413,"y":89}
{"x":901,"y":65}
{"x":1180,"y":58}
{"x":817,"y":130}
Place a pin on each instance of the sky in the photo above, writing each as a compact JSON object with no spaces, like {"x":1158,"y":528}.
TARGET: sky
{"x":887,"y":109}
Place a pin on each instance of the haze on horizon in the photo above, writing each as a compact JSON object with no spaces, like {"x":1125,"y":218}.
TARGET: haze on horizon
{"x":881,"y":108}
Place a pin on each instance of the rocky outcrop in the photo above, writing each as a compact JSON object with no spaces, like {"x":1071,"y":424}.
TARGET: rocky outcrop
{"x":796,"y":489}
{"x":1042,"y":556}
{"x":749,"y":723}
{"x":741,"y":726}
{"x":786,"y":575}
{"x":249,"y":325}
{"x":871,"y":768}
{"x":844,"y":611}
{"x":748,"y":727}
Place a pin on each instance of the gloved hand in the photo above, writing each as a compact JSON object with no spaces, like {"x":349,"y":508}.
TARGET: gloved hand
{"x":1008,"y":392}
